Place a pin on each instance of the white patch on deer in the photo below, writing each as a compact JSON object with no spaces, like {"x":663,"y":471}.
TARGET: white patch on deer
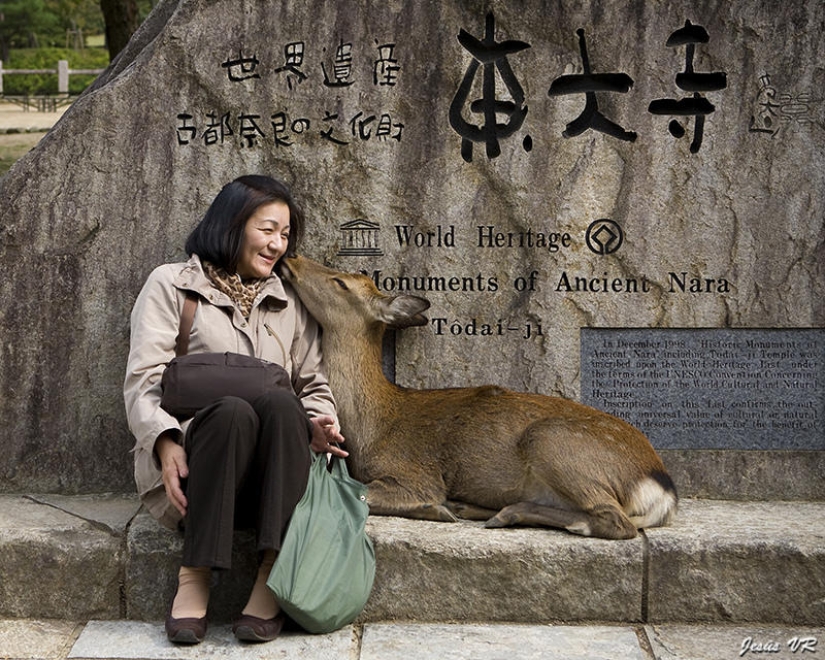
{"x":650,"y":505}
{"x":579,"y":528}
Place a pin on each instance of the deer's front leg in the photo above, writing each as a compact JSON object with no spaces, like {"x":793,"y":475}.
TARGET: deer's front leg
{"x":467,"y":511}
{"x":391,"y":499}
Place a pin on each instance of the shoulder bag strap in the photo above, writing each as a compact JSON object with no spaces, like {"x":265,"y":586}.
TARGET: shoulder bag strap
{"x":187,"y":317}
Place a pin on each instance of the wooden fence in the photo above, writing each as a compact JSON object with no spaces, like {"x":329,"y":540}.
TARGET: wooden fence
{"x":51,"y":101}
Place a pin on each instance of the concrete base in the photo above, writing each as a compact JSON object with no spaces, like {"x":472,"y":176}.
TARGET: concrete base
{"x":82,"y":558}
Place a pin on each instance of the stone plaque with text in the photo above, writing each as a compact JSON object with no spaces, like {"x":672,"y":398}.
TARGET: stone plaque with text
{"x":711,"y":388}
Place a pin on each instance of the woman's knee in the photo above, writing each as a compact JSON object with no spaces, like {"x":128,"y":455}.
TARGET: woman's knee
{"x":279,"y":399}
{"x":231,"y":408}
{"x":229,"y":415}
{"x":283,"y":408}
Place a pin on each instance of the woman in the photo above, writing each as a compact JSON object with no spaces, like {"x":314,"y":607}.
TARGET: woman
{"x":236,"y":463}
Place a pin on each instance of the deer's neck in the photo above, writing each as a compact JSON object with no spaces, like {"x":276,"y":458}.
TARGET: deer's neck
{"x":362,"y":392}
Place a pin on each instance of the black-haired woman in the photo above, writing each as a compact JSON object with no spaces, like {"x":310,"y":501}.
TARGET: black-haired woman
{"x":236,"y":464}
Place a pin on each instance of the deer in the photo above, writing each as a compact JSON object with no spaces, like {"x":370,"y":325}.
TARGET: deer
{"x":475,"y":453}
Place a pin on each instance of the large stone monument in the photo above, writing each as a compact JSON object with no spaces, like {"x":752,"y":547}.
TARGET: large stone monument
{"x":618,"y":202}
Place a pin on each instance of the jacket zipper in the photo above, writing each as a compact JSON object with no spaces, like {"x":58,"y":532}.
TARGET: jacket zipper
{"x":278,"y":339}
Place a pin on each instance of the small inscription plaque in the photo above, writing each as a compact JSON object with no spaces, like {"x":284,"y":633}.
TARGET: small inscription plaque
{"x":710,"y":388}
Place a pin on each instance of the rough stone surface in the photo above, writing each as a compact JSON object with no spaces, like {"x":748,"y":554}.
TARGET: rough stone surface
{"x":513,"y":574}
{"x":110,"y":640}
{"x":33,"y":639}
{"x":747,"y":475}
{"x":111,"y":512}
{"x":55,"y":565}
{"x":115,"y":187}
{"x":682,"y":642}
{"x":720,"y":562}
{"x":437,"y":642}
{"x":152,"y":570}
{"x":739,"y":562}
{"x":57,"y":640}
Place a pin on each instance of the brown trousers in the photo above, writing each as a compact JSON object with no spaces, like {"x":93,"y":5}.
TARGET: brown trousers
{"x":248,"y":467}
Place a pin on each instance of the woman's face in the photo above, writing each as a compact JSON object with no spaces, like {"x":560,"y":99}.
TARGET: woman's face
{"x":265,"y":240}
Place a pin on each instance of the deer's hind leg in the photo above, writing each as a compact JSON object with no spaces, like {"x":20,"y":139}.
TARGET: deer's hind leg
{"x":560,"y":487}
{"x":603,"y":521}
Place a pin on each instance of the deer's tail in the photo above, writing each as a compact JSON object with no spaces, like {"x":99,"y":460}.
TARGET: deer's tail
{"x":653,"y":502}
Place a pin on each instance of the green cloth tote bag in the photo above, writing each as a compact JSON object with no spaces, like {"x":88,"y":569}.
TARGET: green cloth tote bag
{"x":324,"y":572}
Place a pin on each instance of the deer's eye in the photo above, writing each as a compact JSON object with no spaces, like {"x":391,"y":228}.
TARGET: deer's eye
{"x":340,"y":283}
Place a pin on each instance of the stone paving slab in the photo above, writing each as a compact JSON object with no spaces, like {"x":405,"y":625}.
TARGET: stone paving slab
{"x":684,"y":642}
{"x":134,"y":640}
{"x":127,"y":640}
{"x":37,"y":640}
{"x":499,"y":642}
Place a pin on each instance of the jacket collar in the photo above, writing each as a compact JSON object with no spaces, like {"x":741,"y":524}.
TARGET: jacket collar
{"x":193,"y":278}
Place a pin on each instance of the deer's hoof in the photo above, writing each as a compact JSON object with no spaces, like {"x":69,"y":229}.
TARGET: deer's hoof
{"x":442,"y":513}
{"x":497,"y":521}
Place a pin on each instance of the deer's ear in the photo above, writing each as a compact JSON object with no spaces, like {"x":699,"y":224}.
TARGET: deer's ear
{"x":404,"y":311}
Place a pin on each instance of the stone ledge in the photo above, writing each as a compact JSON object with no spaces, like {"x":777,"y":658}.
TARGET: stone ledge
{"x":738,"y":562}
{"x":428,"y":571}
{"x":61,"y":565}
{"x":100,"y":557}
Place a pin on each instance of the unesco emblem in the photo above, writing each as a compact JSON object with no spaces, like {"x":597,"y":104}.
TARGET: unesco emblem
{"x":604,"y":236}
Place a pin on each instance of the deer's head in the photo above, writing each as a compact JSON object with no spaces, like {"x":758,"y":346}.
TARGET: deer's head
{"x":338,"y":299}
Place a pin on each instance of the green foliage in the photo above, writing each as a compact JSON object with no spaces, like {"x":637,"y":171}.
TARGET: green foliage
{"x":27,"y":23}
{"x":81,"y":15}
{"x":46,"y":23}
{"x":145,"y":7}
{"x":46,"y":58}
{"x":53,"y":23}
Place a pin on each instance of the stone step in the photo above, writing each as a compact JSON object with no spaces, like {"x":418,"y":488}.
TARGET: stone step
{"x":100,"y":557}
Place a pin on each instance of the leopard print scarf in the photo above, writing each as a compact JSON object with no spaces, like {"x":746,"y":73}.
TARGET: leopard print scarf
{"x":242,"y":293}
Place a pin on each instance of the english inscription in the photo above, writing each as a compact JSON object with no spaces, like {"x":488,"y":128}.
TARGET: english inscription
{"x":486,"y":238}
{"x":710,"y":388}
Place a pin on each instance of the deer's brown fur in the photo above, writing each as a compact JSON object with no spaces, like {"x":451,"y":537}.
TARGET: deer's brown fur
{"x":481,"y":453}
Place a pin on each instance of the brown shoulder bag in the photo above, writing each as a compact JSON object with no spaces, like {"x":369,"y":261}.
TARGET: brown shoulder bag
{"x":192,"y":382}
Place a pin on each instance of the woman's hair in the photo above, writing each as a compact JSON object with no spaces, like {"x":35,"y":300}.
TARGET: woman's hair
{"x":218,"y":236}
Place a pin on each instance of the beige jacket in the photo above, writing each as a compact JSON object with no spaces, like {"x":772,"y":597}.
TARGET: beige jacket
{"x":279,"y":330}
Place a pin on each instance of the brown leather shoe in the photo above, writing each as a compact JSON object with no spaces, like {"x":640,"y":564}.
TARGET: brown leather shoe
{"x":253,"y":629}
{"x":185,"y":631}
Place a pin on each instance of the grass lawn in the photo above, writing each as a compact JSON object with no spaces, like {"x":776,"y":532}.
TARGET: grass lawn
{"x":15,"y":145}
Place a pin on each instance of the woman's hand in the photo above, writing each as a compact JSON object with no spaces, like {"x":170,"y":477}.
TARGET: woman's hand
{"x":174,"y":467}
{"x":325,"y":435}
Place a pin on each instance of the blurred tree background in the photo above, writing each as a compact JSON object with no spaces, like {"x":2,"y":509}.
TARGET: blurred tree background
{"x":35,"y":34}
